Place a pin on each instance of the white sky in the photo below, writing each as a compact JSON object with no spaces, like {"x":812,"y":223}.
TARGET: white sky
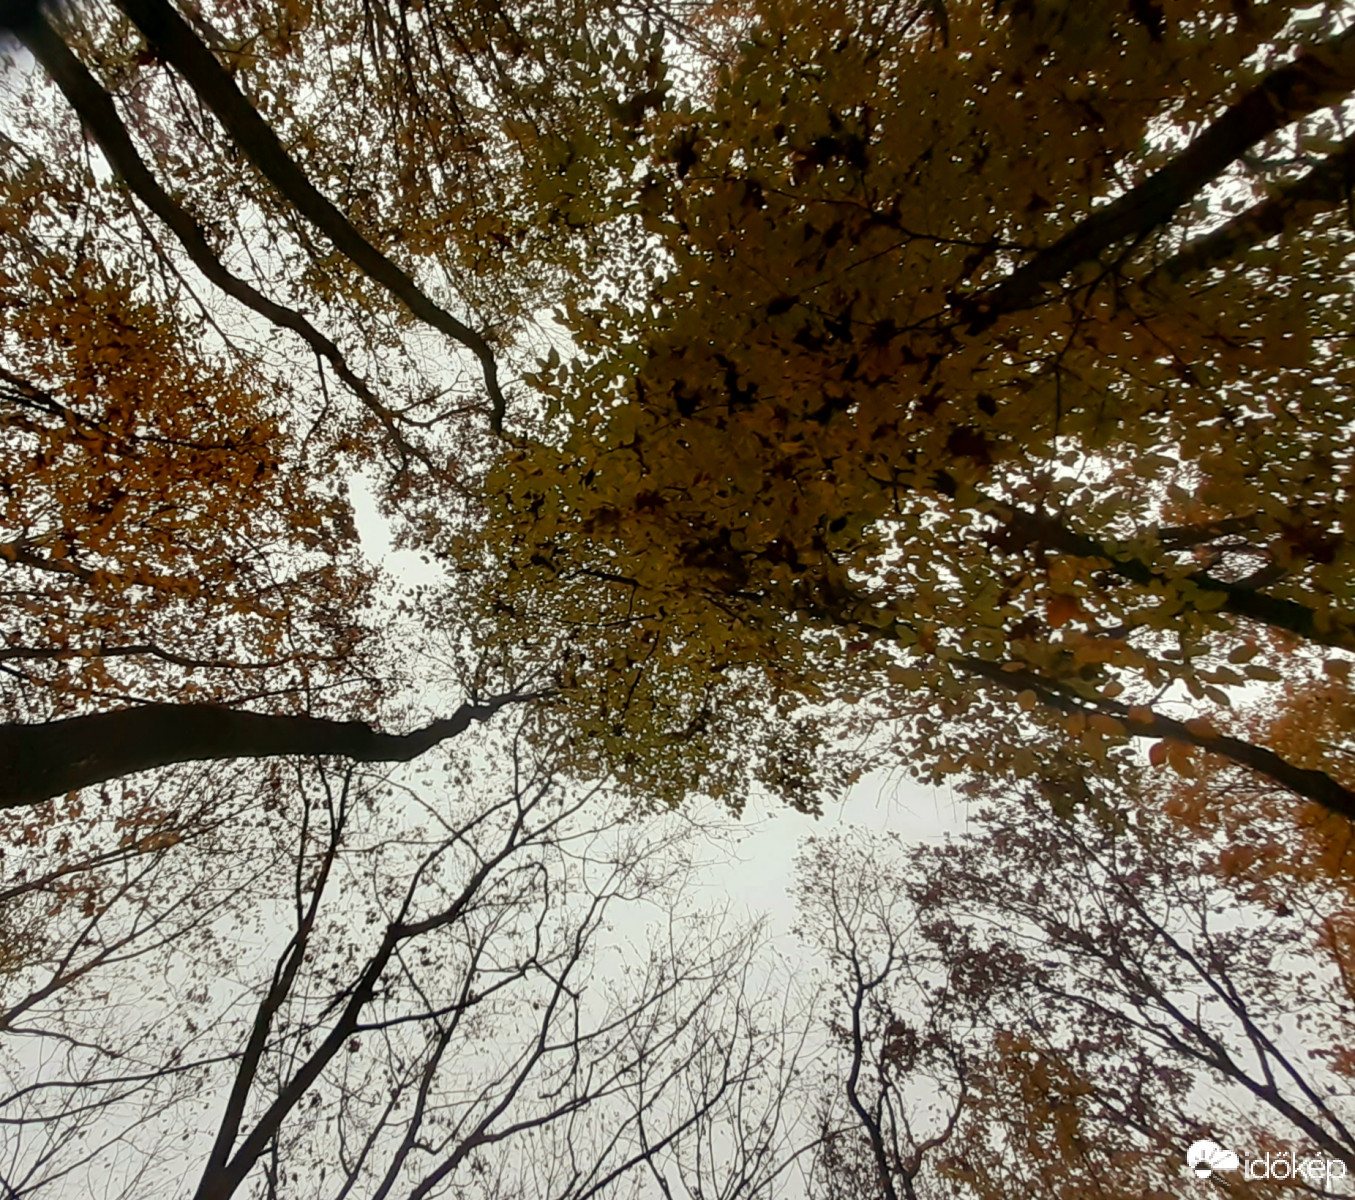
{"x":759,"y":876}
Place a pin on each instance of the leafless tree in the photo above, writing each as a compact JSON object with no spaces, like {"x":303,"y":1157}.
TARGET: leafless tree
{"x":318,"y":982}
{"x":897,"y":1080}
{"x":1057,"y":1005}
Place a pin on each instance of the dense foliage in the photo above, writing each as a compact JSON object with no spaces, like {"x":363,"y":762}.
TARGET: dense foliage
{"x":774,"y":391}
{"x":994,"y":367}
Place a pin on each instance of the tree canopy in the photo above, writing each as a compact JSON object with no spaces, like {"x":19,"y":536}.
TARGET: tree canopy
{"x":1057,"y":1006}
{"x":774,"y":391}
{"x":976,"y":366}
{"x":993,"y":382}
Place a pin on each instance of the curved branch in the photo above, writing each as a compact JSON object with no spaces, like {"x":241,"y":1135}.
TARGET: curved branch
{"x":1311,"y":785}
{"x":43,"y":760}
{"x":170,"y":36}
{"x":1026,"y":528}
{"x":95,"y":108}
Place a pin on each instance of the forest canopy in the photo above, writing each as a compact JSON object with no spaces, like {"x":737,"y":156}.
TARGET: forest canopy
{"x":1024,"y":415}
{"x":960,"y":380}
{"x":774,"y":391}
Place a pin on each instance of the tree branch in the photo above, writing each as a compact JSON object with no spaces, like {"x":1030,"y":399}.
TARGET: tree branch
{"x":95,"y":108}
{"x":1311,"y":785}
{"x":279,"y":991}
{"x":1326,"y":185}
{"x":1317,"y":79}
{"x":170,"y":36}
{"x":23,"y":552}
{"x":47,"y":653}
{"x":42,"y":760}
{"x":1025,"y":528}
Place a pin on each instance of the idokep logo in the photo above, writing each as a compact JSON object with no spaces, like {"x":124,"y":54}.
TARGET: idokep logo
{"x":1206,"y":1157}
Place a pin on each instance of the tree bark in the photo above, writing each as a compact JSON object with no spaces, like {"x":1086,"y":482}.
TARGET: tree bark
{"x":43,"y":760}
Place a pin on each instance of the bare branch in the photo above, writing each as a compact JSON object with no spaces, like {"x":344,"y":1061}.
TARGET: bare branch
{"x":38,"y":761}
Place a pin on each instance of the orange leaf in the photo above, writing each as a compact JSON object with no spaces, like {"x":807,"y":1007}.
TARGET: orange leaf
{"x":1061,"y":608}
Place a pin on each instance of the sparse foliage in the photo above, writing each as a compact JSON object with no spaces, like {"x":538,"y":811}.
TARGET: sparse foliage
{"x":1057,"y":1006}
{"x":348,"y":988}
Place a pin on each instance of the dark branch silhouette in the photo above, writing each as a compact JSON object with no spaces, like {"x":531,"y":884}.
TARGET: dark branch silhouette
{"x":1302,"y":781}
{"x":95,"y":108}
{"x":1317,"y":79}
{"x":1327,"y":184}
{"x":38,"y":761}
{"x":170,"y":36}
{"x":1047,"y":531}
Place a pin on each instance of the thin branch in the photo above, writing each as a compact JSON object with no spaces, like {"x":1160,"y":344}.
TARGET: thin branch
{"x":1310,"y":784}
{"x":1027,"y":528}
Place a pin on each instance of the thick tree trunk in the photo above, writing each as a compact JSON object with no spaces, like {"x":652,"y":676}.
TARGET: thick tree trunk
{"x":43,"y":760}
